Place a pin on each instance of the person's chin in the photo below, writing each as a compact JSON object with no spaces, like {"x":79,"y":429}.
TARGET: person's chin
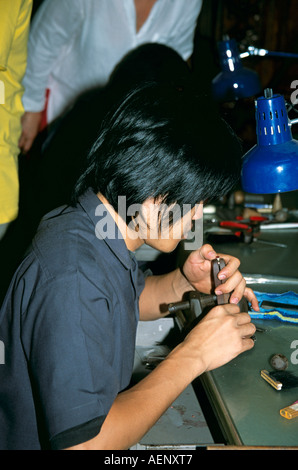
{"x":165,"y":246}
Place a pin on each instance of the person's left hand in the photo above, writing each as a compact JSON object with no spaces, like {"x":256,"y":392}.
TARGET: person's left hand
{"x":197,"y":270}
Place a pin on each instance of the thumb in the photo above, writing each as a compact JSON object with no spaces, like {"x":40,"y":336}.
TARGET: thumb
{"x":199,"y":259}
{"x":206,"y":252}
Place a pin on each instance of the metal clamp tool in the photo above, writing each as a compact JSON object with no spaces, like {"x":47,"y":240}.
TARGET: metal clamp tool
{"x":190,"y":310}
{"x":195,"y":304}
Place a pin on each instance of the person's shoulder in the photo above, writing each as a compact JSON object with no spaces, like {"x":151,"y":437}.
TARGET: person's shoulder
{"x":65,"y":241}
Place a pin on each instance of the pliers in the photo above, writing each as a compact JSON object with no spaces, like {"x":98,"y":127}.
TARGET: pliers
{"x":246,"y":230}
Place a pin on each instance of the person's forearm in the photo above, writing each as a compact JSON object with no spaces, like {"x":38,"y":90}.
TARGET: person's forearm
{"x":136,"y":410}
{"x":220,"y":336}
{"x":160,"y":291}
{"x":53,"y":26}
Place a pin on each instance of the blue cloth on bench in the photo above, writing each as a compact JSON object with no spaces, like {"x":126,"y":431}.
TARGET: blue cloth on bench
{"x":281,"y":314}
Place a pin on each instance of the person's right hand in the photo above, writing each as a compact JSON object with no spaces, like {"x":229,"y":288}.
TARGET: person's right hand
{"x":219,"y":337}
{"x":30,"y":127}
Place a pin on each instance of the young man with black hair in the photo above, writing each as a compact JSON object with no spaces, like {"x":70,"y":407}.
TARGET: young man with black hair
{"x":70,"y":315}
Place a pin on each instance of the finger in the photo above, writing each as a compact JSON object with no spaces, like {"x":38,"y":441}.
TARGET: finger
{"x":24,"y":142}
{"x":248,"y":330}
{"x":26,"y":145}
{"x":238,"y":292}
{"x":201,"y":258}
{"x":21,"y":141}
{"x":252,"y":299}
{"x":226,"y":309}
{"x":232,"y":265}
{"x":243,"y":318}
{"x":207,"y":252}
{"x":236,"y":284}
{"x":247,"y":344}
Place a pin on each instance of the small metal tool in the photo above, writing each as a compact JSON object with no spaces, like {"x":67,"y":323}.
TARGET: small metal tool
{"x":217,"y":265}
{"x":190,"y":310}
{"x":267,"y":242}
{"x":246,"y":231}
{"x":271,"y":380}
{"x":260,"y":330}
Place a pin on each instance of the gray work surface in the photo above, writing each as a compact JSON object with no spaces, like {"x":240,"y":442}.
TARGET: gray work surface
{"x":246,"y":405}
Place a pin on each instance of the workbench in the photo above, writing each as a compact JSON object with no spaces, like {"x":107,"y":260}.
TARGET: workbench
{"x":246,"y":407}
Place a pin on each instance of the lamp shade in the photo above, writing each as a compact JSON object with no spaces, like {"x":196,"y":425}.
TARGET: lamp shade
{"x":271,"y":166}
{"x":234,"y":81}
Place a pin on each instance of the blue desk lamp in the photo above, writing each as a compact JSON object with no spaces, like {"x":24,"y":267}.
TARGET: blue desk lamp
{"x":234,"y":82}
{"x":271,"y":166}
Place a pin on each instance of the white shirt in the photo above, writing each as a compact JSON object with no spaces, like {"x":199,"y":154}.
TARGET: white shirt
{"x":74,"y":45}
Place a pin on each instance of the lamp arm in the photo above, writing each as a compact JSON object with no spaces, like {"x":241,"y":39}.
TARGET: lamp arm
{"x":263,"y":52}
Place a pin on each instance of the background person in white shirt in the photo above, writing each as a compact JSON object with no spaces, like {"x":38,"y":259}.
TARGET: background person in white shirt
{"x":74,"y":46}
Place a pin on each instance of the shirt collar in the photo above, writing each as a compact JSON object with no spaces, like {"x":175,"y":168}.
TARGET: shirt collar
{"x":105,"y":228}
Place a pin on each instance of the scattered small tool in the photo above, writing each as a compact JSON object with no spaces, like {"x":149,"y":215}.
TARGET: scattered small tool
{"x":291,"y":411}
{"x":267,"y":242}
{"x":271,"y":380}
{"x":280,"y":379}
{"x":246,"y":231}
{"x":260,"y":330}
{"x":279,"y":362}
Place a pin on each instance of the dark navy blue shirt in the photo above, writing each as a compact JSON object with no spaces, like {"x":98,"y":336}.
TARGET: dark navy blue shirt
{"x":68,"y":325}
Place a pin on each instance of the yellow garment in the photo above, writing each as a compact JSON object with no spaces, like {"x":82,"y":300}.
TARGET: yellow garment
{"x":14,"y":27}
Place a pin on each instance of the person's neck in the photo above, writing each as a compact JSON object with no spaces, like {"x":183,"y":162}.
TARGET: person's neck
{"x":132,"y":241}
{"x":143,"y":10}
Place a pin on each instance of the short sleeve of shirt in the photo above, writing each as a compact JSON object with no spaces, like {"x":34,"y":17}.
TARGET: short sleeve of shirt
{"x":70,"y":349}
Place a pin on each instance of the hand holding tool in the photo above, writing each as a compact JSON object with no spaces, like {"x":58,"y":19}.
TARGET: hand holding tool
{"x":189,"y":311}
{"x":195,"y":304}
